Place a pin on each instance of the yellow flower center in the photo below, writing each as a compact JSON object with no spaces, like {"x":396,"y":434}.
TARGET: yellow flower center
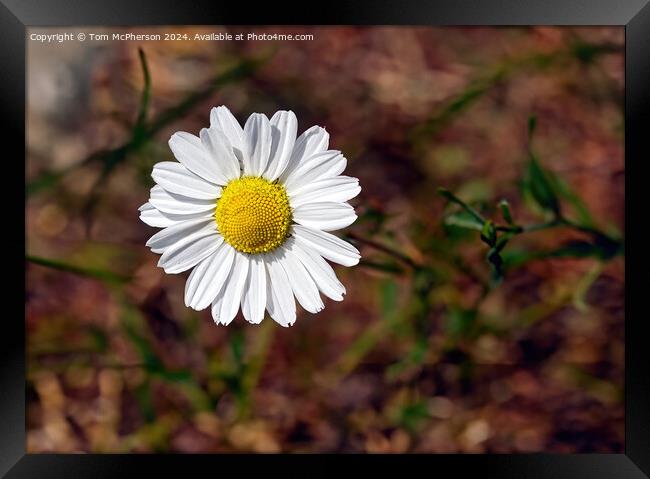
{"x":253,"y":214}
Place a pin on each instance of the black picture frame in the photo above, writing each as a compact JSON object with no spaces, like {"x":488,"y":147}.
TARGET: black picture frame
{"x":634,"y":15}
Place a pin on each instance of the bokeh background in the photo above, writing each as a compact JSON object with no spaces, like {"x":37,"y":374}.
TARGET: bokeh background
{"x":428,"y":352}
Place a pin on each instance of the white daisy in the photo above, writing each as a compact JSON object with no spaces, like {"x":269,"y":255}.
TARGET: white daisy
{"x":250,"y":209}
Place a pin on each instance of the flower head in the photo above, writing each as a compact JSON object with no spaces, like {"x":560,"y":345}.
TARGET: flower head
{"x":249,"y":209}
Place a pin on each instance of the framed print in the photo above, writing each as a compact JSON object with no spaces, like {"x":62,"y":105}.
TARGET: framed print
{"x":361,"y":231}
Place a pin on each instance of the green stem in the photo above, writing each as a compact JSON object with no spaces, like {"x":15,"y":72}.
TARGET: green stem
{"x":540,"y":226}
{"x":255,"y":365}
{"x":113,"y":157}
{"x":454,"y":199}
{"x":493,"y":76}
{"x":556,"y":223}
{"x":385,"y":249}
{"x":385,"y":267}
{"x":100,"y":274}
{"x":146,"y":91}
{"x":583,"y":286}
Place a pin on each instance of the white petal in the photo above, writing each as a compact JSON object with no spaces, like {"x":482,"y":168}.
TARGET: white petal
{"x":327,"y":245}
{"x":284,"y":126}
{"x":174,"y":204}
{"x":221,"y":153}
{"x":209,"y":276}
{"x":258,"y":140}
{"x":175,"y":178}
{"x":301,"y":283}
{"x":325,"y":216}
{"x":279,"y":297}
{"x":185,"y":254}
{"x":337,"y":189}
{"x":253,"y":302}
{"x":226,"y":304}
{"x":190,"y":150}
{"x":228,"y":124}
{"x":312,"y":141}
{"x":181,"y":232}
{"x":320,"y":271}
{"x":152,"y":216}
{"x":326,"y":164}
{"x":155,"y":218}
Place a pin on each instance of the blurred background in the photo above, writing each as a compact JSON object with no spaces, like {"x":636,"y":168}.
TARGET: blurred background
{"x":431,"y":351}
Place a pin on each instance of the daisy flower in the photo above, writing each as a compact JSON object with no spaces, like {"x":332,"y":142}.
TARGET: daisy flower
{"x":250,"y":210}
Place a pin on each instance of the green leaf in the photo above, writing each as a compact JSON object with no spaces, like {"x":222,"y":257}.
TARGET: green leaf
{"x":563,"y":190}
{"x":463,"y":219}
{"x":505,"y":212}
{"x":489,"y":233}
{"x":457,"y":104}
{"x":449,"y":196}
{"x":517,"y":257}
{"x":538,"y":186}
{"x":536,"y":183}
